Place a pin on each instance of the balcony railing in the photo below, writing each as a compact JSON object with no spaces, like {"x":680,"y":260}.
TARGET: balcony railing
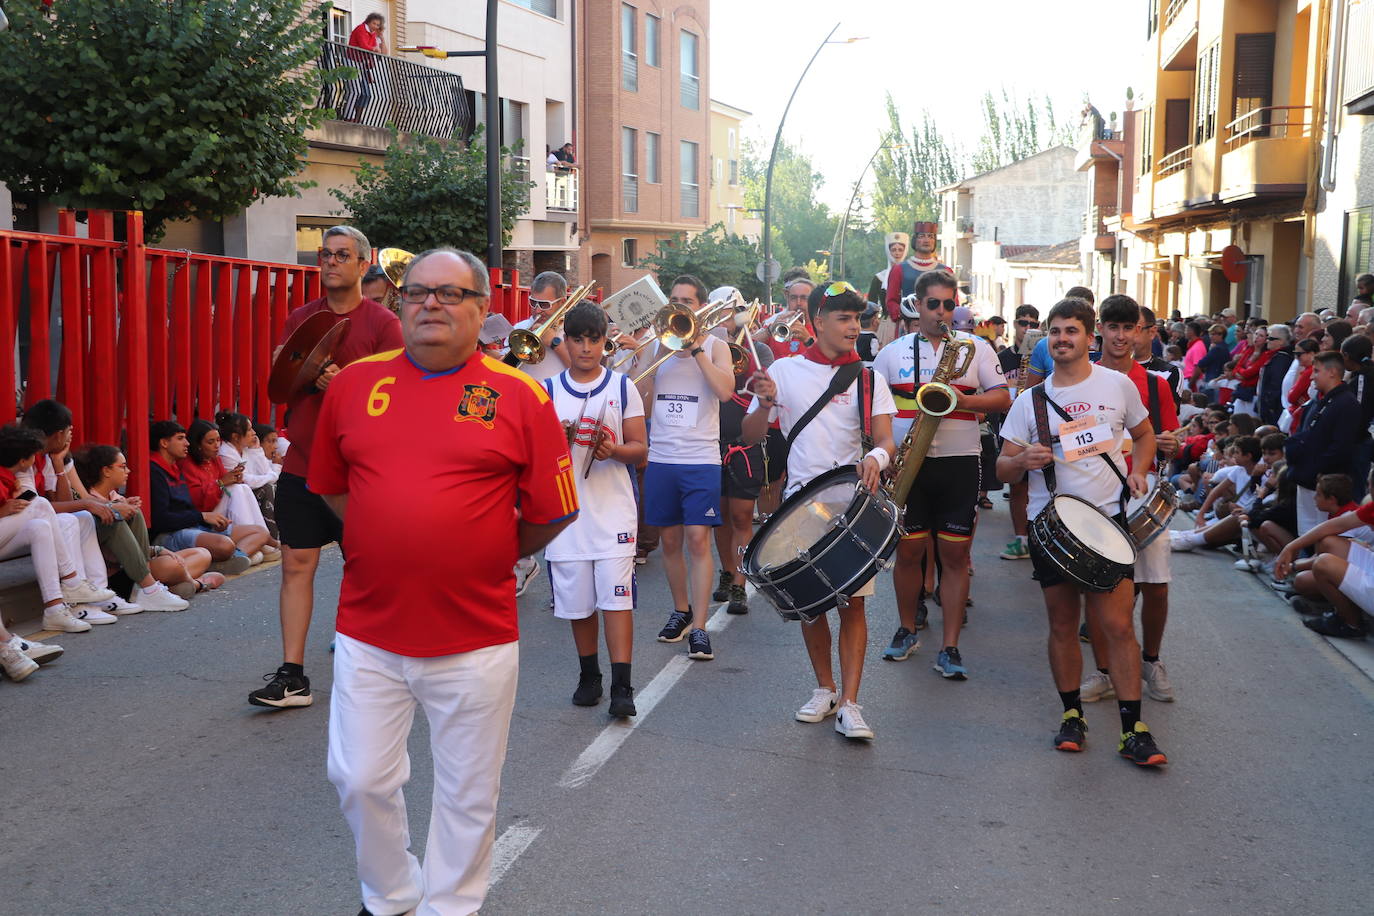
{"x":1281,"y":121}
{"x":390,"y":90}
{"x":1176,"y":161}
{"x":629,"y":193}
{"x":1094,"y":221}
{"x":964,"y":225}
{"x":1172,"y":11}
{"x":560,"y":191}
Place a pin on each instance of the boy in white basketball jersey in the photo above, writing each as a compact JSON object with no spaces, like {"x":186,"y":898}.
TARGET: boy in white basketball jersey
{"x":591,"y":562}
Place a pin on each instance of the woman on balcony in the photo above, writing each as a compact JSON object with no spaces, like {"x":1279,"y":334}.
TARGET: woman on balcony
{"x":368,"y":37}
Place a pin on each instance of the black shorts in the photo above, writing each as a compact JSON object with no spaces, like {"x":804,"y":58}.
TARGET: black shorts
{"x":776,"y":447}
{"x":305,"y":520}
{"x":741,"y":473}
{"x":989,"y":462}
{"x":1048,"y":575}
{"x":1283,"y":514}
{"x":944,"y":497}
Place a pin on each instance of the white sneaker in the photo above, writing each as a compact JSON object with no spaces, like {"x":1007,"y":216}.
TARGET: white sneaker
{"x":121,"y":608}
{"x":83,"y":592}
{"x":94,"y":614}
{"x":255,"y":559}
{"x":1156,"y":681}
{"x":16,"y":664}
{"x":849,"y":721}
{"x":1096,"y":686}
{"x":822,"y":703}
{"x":40,"y":652}
{"x":525,"y":573}
{"x":1180,"y":540}
{"x":60,"y":617}
{"x":159,"y":598}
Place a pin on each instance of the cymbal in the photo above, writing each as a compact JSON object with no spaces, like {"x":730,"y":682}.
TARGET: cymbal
{"x":304,"y":356}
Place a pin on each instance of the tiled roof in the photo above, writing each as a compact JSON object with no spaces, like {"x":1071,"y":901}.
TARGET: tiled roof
{"x":1063,"y":253}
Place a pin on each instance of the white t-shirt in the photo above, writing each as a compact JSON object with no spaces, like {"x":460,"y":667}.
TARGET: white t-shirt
{"x":832,"y":439}
{"x":684,"y":424}
{"x":548,"y":367}
{"x":1110,"y":397}
{"x":609,"y":518}
{"x":26,"y":479}
{"x":1240,"y":484}
{"x":957,"y":433}
{"x":258,"y":468}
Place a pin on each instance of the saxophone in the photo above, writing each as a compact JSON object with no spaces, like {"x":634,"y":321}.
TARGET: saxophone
{"x":934,"y":400}
{"x":1028,"y":342}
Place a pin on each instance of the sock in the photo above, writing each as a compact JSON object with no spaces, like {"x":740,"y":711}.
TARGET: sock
{"x":1130,"y":714}
{"x":620,"y":674}
{"x":152,"y":589}
{"x":589,"y":666}
{"x":1022,"y":539}
{"x":293,"y":669}
{"x":1071,"y":700}
{"x":1193,"y":538}
{"x":1149,"y":658}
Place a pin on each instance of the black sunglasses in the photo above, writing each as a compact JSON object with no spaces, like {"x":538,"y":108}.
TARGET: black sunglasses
{"x":948,"y":305}
{"x":1026,"y":323}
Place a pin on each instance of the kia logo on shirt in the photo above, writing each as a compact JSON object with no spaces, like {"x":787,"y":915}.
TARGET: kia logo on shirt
{"x":1076,"y":408}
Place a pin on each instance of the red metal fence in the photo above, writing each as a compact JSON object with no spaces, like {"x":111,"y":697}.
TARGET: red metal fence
{"x":124,"y":334}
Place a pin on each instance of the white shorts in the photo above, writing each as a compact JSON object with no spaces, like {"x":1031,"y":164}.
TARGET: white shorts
{"x":581,"y":587}
{"x":1363,"y":534}
{"x":1358,"y":582}
{"x":1152,"y":562}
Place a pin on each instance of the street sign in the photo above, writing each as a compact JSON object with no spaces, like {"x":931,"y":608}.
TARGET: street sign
{"x":634,"y":306}
{"x":1233,"y":263}
{"x":768,"y":271}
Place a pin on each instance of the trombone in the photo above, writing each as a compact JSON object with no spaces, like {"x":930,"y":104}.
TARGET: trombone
{"x":739,"y":356}
{"x":525,"y":344}
{"x":782,"y":330}
{"x":676,"y":326}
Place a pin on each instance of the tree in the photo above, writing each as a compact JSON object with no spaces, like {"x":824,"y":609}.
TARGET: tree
{"x":428,"y":193}
{"x":801,"y":225}
{"x":717,"y":257}
{"x":180,"y":109}
{"x":910,"y":170}
{"x":1014,"y":130}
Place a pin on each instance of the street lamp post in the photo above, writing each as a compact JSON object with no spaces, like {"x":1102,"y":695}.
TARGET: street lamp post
{"x":838,"y":244}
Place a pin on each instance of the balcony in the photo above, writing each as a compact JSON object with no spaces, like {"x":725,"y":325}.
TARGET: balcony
{"x":1094,"y":224}
{"x":386,"y":91}
{"x":1172,"y":181}
{"x":1266,"y":153}
{"x":963,"y":225}
{"x":1178,"y":38}
{"x":560,"y":191}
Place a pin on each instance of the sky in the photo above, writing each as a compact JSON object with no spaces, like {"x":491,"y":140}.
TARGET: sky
{"x":938,"y":56}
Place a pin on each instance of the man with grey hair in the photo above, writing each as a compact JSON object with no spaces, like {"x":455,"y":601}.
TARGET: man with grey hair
{"x":548,"y":292}
{"x":421,"y":624}
{"x":305,"y":522}
{"x":1308,"y":324}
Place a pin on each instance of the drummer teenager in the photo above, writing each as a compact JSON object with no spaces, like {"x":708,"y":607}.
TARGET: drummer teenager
{"x":1121,"y":323}
{"x":306,"y":524}
{"x":1112,"y":403}
{"x":832,"y":439}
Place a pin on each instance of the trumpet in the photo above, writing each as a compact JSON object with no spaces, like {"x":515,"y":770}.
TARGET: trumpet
{"x":676,"y":326}
{"x":782,"y":330}
{"x":618,"y":340}
{"x":525,"y":343}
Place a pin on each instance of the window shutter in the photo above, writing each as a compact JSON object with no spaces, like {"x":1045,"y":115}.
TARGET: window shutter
{"x":1253,"y":84}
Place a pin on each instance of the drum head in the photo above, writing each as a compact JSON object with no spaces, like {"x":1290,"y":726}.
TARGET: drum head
{"x":805,"y":518}
{"x":1151,"y":481}
{"x":1089,"y":525}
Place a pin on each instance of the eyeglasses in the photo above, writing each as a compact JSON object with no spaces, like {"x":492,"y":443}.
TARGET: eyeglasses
{"x":338,"y":257}
{"x":1026,"y":323}
{"x":541,"y":304}
{"x":1273,"y":338}
{"x":837,"y":288}
{"x":414,"y":294}
{"x":947,"y":304}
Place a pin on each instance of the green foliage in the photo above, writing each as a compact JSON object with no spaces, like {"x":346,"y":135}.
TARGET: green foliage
{"x":181,"y":109}
{"x":908,"y":173}
{"x":718,"y":257}
{"x":428,"y":193}
{"x":801,"y":226}
{"x":1013,"y":130}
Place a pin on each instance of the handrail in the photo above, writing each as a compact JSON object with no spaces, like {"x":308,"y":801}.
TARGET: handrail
{"x":1262,"y":125}
{"x":415,"y":97}
{"x":1176,"y":161}
{"x":1171,"y":12}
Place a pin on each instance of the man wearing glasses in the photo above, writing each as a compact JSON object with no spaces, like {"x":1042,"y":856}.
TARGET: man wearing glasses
{"x":1027,"y":319}
{"x":305,"y":522}
{"x":944,"y":497}
{"x":547,"y":293}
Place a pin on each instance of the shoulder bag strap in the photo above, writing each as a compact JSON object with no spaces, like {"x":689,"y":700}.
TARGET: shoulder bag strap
{"x":843,"y":378}
{"x":1042,"y":432}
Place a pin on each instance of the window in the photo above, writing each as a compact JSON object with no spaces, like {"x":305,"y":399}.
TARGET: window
{"x":1357,"y":256}
{"x":1358,"y":91}
{"x":717,"y":171}
{"x":629,"y":252}
{"x":629,"y":60}
{"x":629,"y":170}
{"x":691,"y":79}
{"x":691,"y":190}
{"x":1252,"y":84}
{"x":651,"y":157}
{"x":1176,"y":113}
{"x":730,"y":138}
{"x":340,"y":25}
{"x":1151,"y":18}
{"x":545,"y":7}
{"x":1146,"y":137}
{"x":734,"y":172}
{"x":651,"y":27}
{"x":1206,"y":98}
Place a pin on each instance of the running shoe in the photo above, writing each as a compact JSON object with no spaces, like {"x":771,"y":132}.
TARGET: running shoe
{"x":1073,"y":732}
{"x":121,"y":608}
{"x":1138,"y":746}
{"x":60,"y":617}
{"x":94,"y":614}
{"x":40,"y":652}
{"x":1156,"y":680}
{"x":849,"y":721}
{"x":81,"y":591}
{"x":823,"y":703}
{"x":950,"y":665}
{"x":588,"y":692}
{"x":904,"y":642}
{"x":15,"y":663}
{"x":1331,"y":624}
{"x":722,"y":592}
{"x":1096,"y":686}
{"x":699,"y":646}
{"x":739,"y":600}
{"x":622,"y":702}
{"x":526,"y":571}
{"x":676,"y":627}
{"x":1015,"y":550}
{"x":1310,"y":607}
{"x":283,"y":690}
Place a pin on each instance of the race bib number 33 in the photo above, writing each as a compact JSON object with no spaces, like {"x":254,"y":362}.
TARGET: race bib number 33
{"x":678,"y":410}
{"x":1084,"y":437}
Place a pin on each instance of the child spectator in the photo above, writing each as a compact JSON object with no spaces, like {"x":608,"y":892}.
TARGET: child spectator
{"x":1232,"y":494}
{"x":263,"y":462}
{"x":1346,"y":582}
{"x":217,"y":488}
{"x":1194,"y":406}
{"x":176,"y":522}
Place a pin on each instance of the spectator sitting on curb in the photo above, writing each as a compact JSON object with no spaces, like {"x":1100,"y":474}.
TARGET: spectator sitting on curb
{"x":217,"y":488}
{"x":21,"y":657}
{"x":1346,"y":582}
{"x":1232,"y":496}
{"x":176,"y":522}
{"x":237,"y":439}
{"x":261,"y":462}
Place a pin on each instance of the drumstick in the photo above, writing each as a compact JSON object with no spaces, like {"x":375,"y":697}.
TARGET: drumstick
{"x":1027,"y":445}
{"x":596,"y":439}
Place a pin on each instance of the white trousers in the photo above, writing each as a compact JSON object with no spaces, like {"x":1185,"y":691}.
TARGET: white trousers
{"x":78,"y":532}
{"x":37,"y":532}
{"x":240,"y":506}
{"x":1309,"y":516}
{"x":468,"y":700}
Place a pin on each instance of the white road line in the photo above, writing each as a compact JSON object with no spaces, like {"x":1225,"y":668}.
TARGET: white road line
{"x":508,"y":847}
{"x":615,"y":734}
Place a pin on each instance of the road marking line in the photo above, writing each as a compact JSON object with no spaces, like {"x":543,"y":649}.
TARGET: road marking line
{"x":591,"y":760}
{"x":508,"y":847}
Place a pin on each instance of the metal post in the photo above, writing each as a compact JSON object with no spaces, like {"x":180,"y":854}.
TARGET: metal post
{"x":843,"y":228}
{"x":493,"y":143}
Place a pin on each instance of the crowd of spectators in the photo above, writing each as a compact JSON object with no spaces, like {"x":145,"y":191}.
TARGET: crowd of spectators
{"x":96,"y":557}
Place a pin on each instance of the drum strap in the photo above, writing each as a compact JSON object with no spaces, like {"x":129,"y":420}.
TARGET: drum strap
{"x":1042,"y":432}
{"x":865,"y":411}
{"x":841,"y":380}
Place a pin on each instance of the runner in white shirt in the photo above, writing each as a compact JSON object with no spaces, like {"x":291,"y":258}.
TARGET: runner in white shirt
{"x":591,"y":562}
{"x":682,"y":481}
{"x":1112,"y":402}
{"x":944,"y":496}
{"x":832,"y":439}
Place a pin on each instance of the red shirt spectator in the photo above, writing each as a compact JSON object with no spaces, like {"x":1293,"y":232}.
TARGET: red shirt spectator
{"x":202,"y":479}
{"x":363,"y":37}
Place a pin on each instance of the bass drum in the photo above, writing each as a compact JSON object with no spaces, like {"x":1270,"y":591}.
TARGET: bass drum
{"x":1083,"y":543}
{"x":827,"y":540}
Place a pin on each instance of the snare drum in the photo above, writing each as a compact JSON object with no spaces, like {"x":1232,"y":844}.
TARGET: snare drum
{"x":825,"y":541}
{"x":1148,"y":516}
{"x":1083,"y":543}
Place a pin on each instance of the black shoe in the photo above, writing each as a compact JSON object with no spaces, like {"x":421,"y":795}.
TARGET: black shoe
{"x":922,"y":616}
{"x":699,"y":646}
{"x":676,"y":627}
{"x":283,"y":690}
{"x":1083,"y":633}
{"x":739,"y":600}
{"x":622,"y":701}
{"x":588,"y":692}
{"x":1309,"y":607}
{"x":1073,"y":732}
{"x":1331,"y":624}
{"x":1138,"y":747}
{"x":722,"y":592}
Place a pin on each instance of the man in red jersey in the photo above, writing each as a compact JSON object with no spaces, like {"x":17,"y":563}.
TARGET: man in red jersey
{"x":427,"y":611}
{"x":305,"y":522}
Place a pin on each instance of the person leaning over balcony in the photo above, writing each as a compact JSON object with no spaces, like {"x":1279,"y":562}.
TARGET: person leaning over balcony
{"x":367,"y":36}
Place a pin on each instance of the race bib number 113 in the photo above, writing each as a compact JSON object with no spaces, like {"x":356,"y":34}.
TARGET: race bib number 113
{"x":1084,"y":437}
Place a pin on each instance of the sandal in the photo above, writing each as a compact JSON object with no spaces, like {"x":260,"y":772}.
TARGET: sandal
{"x":984,"y":503}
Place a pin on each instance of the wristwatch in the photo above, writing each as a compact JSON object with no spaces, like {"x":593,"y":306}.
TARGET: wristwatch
{"x":694,"y":351}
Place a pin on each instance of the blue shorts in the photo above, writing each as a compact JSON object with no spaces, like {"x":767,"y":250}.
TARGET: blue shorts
{"x":186,"y":537}
{"x":681,"y":494}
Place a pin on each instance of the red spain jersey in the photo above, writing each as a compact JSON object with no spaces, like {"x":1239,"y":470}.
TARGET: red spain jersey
{"x":435,"y":466}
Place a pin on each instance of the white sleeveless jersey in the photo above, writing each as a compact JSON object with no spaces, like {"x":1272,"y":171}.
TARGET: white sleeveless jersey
{"x":684,"y":425}
{"x":609,"y":517}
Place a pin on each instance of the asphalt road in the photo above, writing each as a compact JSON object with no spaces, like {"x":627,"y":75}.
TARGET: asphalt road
{"x":136,"y":780}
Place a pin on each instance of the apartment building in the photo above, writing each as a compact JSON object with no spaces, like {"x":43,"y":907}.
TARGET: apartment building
{"x":727,"y":192}
{"x":645,"y":152}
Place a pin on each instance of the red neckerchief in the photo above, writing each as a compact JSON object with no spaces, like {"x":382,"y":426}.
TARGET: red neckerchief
{"x":814,"y":354}
{"x":1348,"y":507}
{"x":9,"y":484}
{"x":173,"y":471}
{"x":38,"y":479}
